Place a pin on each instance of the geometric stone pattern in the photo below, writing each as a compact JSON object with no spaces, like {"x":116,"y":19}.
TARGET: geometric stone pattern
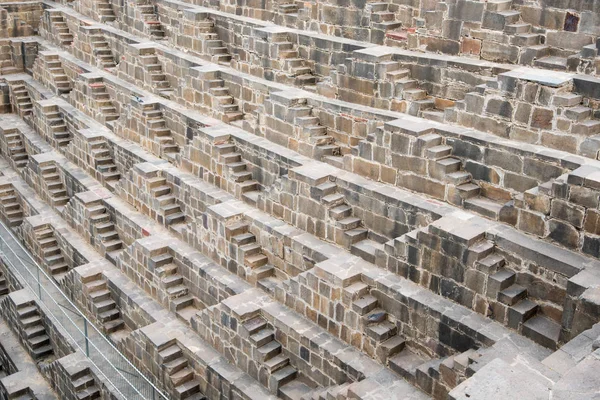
{"x":305,"y":200}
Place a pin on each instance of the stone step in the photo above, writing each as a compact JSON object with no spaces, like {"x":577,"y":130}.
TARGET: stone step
{"x":542,"y":330}
{"x":405,"y":364}
{"x":483,"y":206}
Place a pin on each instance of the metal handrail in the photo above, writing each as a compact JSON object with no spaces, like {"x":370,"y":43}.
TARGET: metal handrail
{"x":156,"y":393}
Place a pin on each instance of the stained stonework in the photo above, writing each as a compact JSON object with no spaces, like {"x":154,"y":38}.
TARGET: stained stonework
{"x":304,"y":200}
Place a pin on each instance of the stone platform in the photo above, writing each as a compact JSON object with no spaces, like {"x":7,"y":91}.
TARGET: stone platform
{"x":305,"y":200}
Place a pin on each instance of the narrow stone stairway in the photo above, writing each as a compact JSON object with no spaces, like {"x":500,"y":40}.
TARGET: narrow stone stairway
{"x":237,"y":172}
{"x":16,"y":148}
{"x":224,"y":101}
{"x":54,"y":186}
{"x":32,"y":325}
{"x":158,"y":79}
{"x":104,"y":104}
{"x":104,"y":231}
{"x":22,"y":99}
{"x":182,"y":376}
{"x":159,"y":132}
{"x":55,"y":120}
{"x":102,"y":52}
{"x":85,"y":386}
{"x":180,"y":300}
{"x":170,"y":211}
{"x":10,"y":206}
{"x":60,"y":26}
{"x":151,"y":21}
{"x":104,"y":162}
{"x":103,"y":306}
{"x":51,"y":253}
{"x":349,"y":231}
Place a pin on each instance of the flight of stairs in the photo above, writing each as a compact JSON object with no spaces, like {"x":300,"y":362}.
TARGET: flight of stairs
{"x":583,"y":118}
{"x":223,"y":101}
{"x":84,"y":385}
{"x":17,"y":152}
{"x":276,"y":364}
{"x":60,"y":26}
{"x":53,"y":65}
{"x":376,"y":322}
{"x":214,"y":47}
{"x":104,"y":162}
{"x":295,"y":66}
{"x":150,"y":17}
{"x":154,"y":70}
{"x":180,"y":301}
{"x":261,"y":273}
{"x":34,"y":331}
{"x":54,"y":186}
{"x":348,"y":231}
{"x":103,"y":101}
{"x":102,"y":52}
{"x":21,"y":100}
{"x":10,"y":206}
{"x":186,"y":385}
{"x":288,"y":8}
{"x":237,"y":172}
{"x":51,"y":253}
{"x":446,"y":168}
{"x":169,"y":210}
{"x":104,"y":230}
{"x":523,"y":313}
{"x":159,"y":132}
{"x":381,"y":17}
{"x":56,"y":123}
{"x":103,"y":306}
{"x":324,"y":146}
{"x":3,"y":285}
{"x":105,"y":11}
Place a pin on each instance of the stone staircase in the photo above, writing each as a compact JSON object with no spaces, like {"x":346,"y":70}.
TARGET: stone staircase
{"x":149,"y":15}
{"x":54,"y":186}
{"x":180,"y":301}
{"x":260,"y":272}
{"x":169,"y":210}
{"x":296,"y":67}
{"x":237,"y":172}
{"x":104,"y":104}
{"x":56,"y":123}
{"x":84,"y":385}
{"x":51,"y":253}
{"x":376,"y":323}
{"x":104,"y":162}
{"x":154,"y":71}
{"x":3,"y":285}
{"x":283,"y":379}
{"x":223,"y":102}
{"x":583,"y":119}
{"x":52,"y":64}
{"x":159,"y":132}
{"x":213,"y":46}
{"x":444,"y":167}
{"x":182,"y":376}
{"x":10,"y":206}
{"x":61,"y":28}
{"x":323,"y":146}
{"x":32,"y":327}
{"x":104,"y":231}
{"x":102,"y":52}
{"x":105,"y":11}
{"x":21,"y":100}
{"x":103,"y":306}
{"x":349,"y":231}
{"x":16,"y":148}
{"x":335,"y":392}
{"x":289,"y":7}
{"x":523,"y":313}
{"x":381,"y":17}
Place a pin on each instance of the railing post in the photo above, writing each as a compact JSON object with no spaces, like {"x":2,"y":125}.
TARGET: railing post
{"x":37,"y":269}
{"x":87,"y":344}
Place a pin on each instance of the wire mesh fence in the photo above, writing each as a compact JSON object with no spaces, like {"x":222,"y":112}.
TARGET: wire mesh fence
{"x":125,"y":378}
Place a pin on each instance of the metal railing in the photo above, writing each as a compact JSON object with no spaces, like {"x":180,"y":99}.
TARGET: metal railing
{"x":125,"y":378}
